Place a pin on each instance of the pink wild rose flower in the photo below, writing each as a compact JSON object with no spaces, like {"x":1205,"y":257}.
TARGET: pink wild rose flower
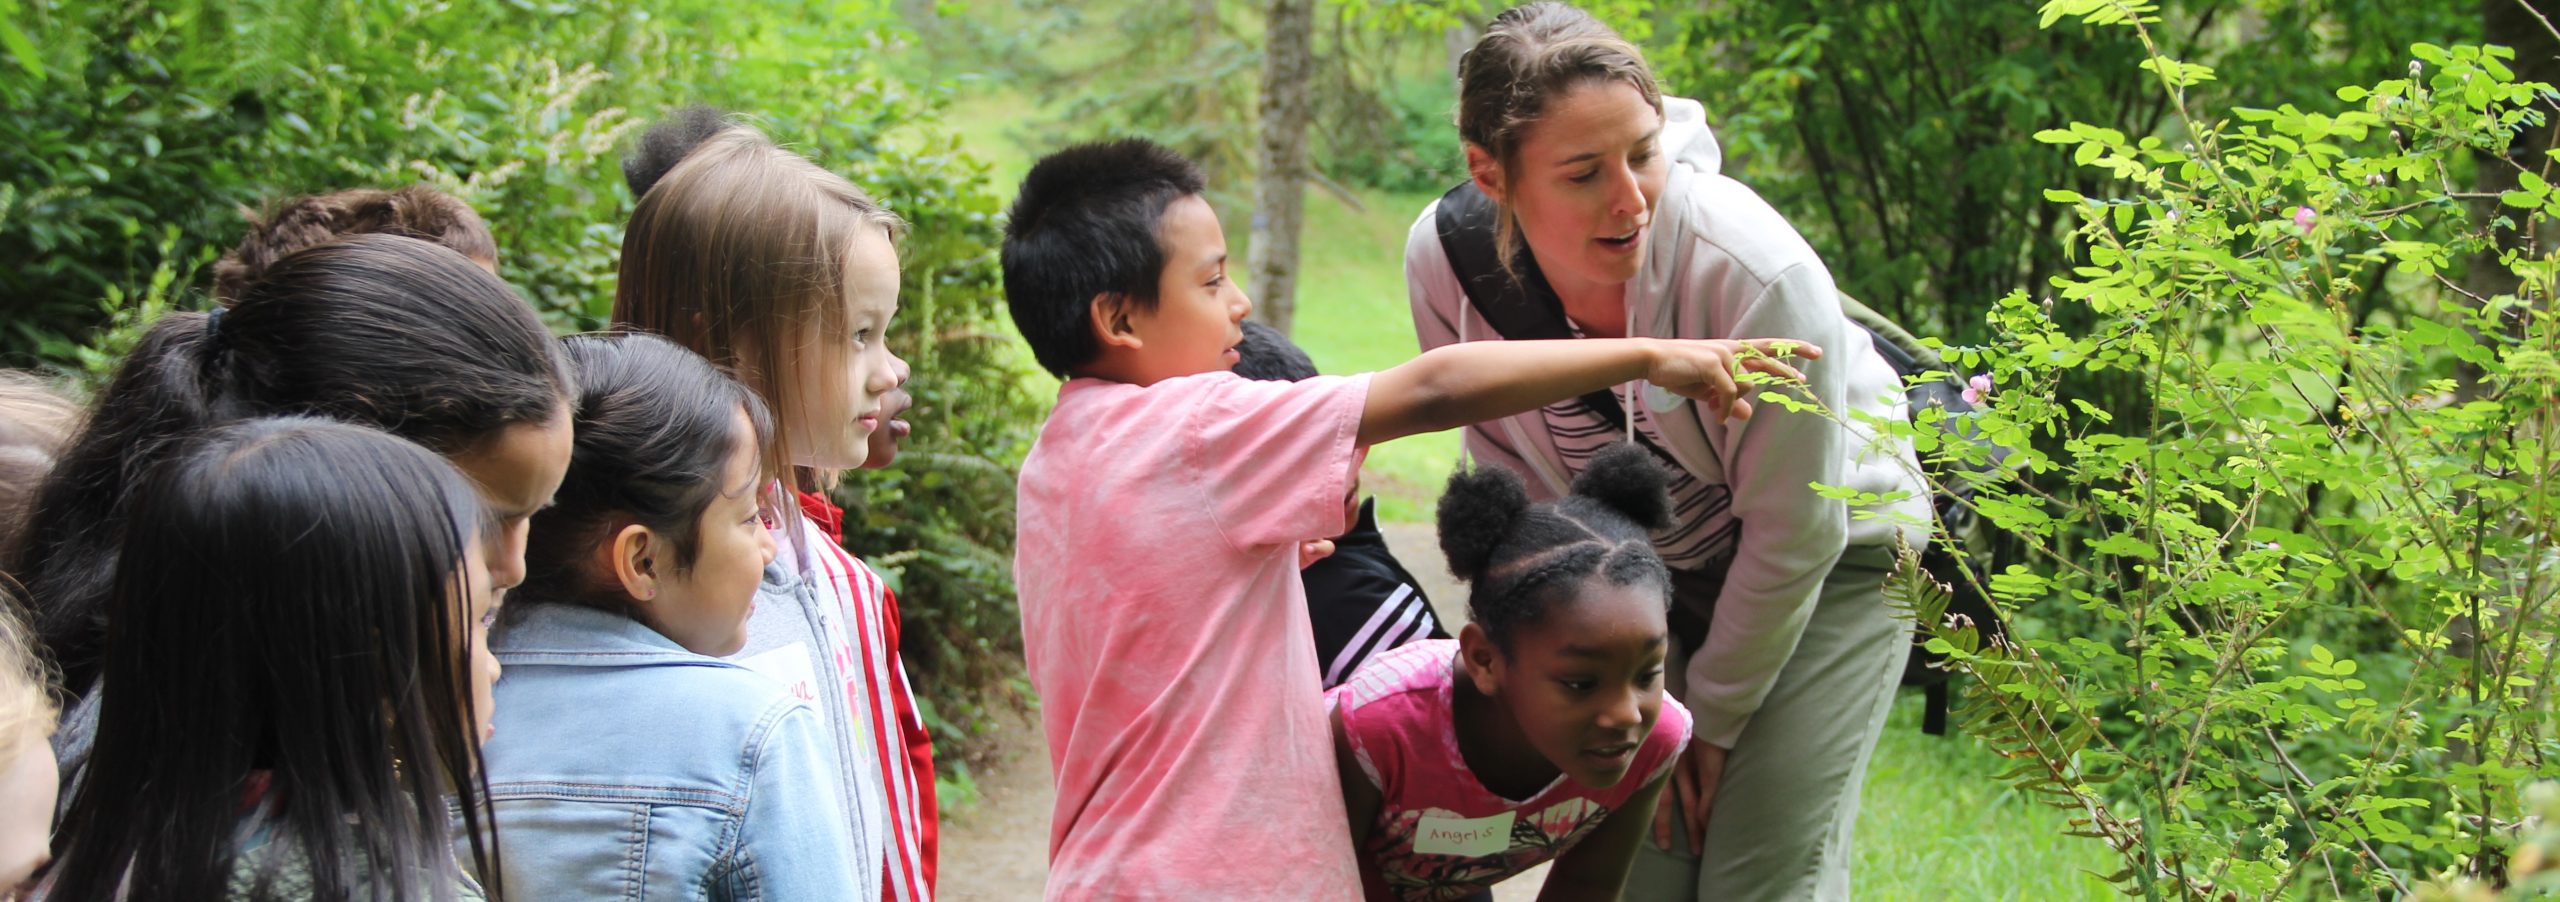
{"x":1977,"y":388}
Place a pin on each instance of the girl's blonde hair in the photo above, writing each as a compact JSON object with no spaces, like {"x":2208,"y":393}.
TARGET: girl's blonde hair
{"x":1529,"y":56}
{"x":27,"y":712}
{"x":738,"y":246}
{"x":36,"y":423}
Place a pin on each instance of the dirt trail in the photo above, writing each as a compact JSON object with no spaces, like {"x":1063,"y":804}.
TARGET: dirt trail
{"x":999,"y":850}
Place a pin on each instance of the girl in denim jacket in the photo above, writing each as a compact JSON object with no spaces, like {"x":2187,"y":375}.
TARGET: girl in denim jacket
{"x":634,"y":763}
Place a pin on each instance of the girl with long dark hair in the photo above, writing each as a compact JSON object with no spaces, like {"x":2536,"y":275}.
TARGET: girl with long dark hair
{"x":302,"y":677}
{"x":385,"y":331}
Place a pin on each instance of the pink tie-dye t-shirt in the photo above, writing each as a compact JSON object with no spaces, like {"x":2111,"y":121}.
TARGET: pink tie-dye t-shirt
{"x":1166,"y":632}
{"x":1439,"y":833}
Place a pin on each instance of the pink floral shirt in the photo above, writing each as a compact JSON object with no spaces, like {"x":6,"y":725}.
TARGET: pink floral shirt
{"x":1439,"y":833}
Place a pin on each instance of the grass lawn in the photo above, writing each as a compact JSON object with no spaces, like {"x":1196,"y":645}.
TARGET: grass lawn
{"x":1933,"y":825}
{"x":1352,"y":318}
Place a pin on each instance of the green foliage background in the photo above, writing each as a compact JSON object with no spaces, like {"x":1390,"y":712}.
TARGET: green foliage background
{"x":2281,"y":570}
{"x":138,"y":132}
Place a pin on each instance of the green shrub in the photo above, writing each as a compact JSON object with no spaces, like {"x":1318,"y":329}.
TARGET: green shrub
{"x":140,"y":131}
{"x":2304,"y":588}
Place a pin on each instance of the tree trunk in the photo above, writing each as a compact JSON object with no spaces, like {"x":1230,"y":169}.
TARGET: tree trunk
{"x":2521,"y":25}
{"x":1280,"y":170}
{"x":1204,"y":37}
{"x":2514,"y":23}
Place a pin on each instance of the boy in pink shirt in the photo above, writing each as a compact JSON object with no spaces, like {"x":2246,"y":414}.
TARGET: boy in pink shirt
{"x":1160,"y":517}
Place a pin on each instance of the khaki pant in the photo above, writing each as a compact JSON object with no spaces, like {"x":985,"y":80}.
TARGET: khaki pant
{"x":1784,"y":811}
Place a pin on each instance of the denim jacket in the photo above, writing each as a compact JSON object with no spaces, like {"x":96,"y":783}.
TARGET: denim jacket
{"x":625,"y":767}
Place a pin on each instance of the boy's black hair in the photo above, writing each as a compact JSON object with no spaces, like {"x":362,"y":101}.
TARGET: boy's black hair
{"x":1521,"y":558}
{"x":1084,"y":226}
{"x":1267,"y":355}
{"x":668,"y":142}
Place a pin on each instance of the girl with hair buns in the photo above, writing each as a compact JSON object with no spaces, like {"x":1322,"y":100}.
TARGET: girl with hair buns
{"x":1594,"y":207}
{"x":1540,"y":733}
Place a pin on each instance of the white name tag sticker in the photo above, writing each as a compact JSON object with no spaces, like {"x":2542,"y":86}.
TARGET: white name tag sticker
{"x":1472,"y":837}
{"x":788,"y":665}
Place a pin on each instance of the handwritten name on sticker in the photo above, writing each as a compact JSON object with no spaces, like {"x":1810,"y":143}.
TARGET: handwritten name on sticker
{"x":1473,"y":837}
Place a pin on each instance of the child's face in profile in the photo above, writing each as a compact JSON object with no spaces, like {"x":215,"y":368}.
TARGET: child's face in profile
{"x":477,"y":602}
{"x":517,"y":471}
{"x":893,"y":403}
{"x":838,"y":379}
{"x":1585,"y":682}
{"x":1199,"y":312}
{"x":27,"y":784}
{"x":704,"y":607}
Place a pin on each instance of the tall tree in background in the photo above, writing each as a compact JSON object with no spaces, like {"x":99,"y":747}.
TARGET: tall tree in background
{"x":2523,"y":25}
{"x":1280,"y":166}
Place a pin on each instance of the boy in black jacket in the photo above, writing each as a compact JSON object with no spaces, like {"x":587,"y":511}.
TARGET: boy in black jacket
{"x":1360,"y":600}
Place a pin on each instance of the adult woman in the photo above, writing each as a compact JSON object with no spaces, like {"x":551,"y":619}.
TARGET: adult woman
{"x":1597,"y":206}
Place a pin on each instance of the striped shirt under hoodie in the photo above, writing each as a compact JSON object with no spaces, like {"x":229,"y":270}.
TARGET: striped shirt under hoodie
{"x":823,"y":621}
{"x":898,"y":740}
{"x":1720,"y":263}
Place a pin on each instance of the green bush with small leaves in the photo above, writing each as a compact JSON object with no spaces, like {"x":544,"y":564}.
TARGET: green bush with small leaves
{"x":2286,"y":626}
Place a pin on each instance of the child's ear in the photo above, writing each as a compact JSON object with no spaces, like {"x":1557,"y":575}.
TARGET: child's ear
{"x":634,"y":560}
{"x":1481,"y":660}
{"x":1485,"y":171}
{"x":1113,"y":315}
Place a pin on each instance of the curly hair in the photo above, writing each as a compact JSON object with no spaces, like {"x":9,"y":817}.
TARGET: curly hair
{"x":416,"y":211}
{"x":1521,"y":559}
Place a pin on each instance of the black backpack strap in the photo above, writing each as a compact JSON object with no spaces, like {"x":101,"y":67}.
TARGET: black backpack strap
{"x":1516,"y":301}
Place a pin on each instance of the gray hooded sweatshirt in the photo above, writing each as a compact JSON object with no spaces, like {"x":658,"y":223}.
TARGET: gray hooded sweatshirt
{"x":1720,"y":263}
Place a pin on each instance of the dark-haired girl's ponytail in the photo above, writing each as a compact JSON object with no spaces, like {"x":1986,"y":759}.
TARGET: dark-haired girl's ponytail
{"x":162,"y":393}
{"x":1626,"y":478}
{"x":386,"y":331}
{"x":1480,"y":509}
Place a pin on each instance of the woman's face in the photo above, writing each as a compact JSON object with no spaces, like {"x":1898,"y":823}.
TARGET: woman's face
{"x":476,"y":600}
{"x":517,"y":471}
{"x":1583,"y":183}
{"x":704,"y":608}
{"x":27,"y":784}
{"x":839,"y":381}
